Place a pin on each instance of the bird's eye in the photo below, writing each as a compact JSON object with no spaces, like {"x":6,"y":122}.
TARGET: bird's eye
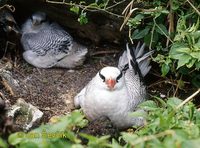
{"x":102,"y":77}
{"x":118,"y":77}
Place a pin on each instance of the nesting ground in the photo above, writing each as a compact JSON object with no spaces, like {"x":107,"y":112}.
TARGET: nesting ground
{"x":52,"y":90}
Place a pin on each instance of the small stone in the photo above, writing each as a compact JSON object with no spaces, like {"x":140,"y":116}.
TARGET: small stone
{"x":67,"y":101}
{"x":25,"y":114}
{"x":162,"y":95}
{"x":71,"y":71}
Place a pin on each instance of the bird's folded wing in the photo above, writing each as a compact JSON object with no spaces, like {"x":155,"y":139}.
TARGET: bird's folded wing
{"x":136,"y":65}
{"x":48,"y":41}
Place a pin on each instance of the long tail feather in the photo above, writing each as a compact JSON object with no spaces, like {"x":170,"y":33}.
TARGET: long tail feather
{"x":136,"y":58}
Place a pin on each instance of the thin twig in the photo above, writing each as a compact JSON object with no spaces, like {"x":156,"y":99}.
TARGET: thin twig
{"x":10,"y":7}
{"x":125,"y":10}
{"x":197,"y":11}
{"x":152,"y":33}
{"x":8,"y":87}
{"x":116,"y":4}
{"x":151,"y":137}
{"x":163,"y":32}
{"x":104,"y":52}
{"x":170,"y":21}
{"x":127,"y":17}
{"x":178,"y":85}
{"x":188,"y":99}
{"x":88,"y":8}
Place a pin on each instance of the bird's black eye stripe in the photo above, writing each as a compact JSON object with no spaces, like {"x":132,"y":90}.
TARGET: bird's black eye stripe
{"x":101,"y":76}
{"x":118,"y":77}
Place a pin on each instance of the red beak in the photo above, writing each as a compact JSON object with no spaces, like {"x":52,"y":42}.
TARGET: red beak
{"x":110,"y":83}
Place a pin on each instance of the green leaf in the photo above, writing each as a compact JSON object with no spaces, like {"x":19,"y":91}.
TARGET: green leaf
{"x":129,"y":137}
{"x":83,"y":18}
{"x":3,"y":144}
{"x":148,"y":105}
{"x":134,"y":22}
{"x":181,"y":134}
{"x":161,"y":29}
{"x":75,"y":9}
{"x":184,"y":49}
{"x":138,"y":113}
{"x":165,"y":69}
{"x":183,"y":60}
{"x":177,"y":50}
{"x":52,"y":135}
{"x":194,"y":143}
{"x":96,"y":141}
{"x":140,"y":34}
{"x":191,"y":63}
{"x":173,"y":102}
{"x":29,"y":145}
{"x":16,"y":138}
{"x":115,"y":144}
{"x":196,"y":34}
{"x":75,"y":146}
{"x":72,"y":137}
{"x":197,"y":65}
{"x":196,"y":55}
{"x":163,"y":104}
{"x":147,"y":39}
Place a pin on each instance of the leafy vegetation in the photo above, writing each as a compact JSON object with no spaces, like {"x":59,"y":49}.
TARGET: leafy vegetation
{"x":169,"y":124}
{"x":59,"y":134}
{"x":171,"y":27}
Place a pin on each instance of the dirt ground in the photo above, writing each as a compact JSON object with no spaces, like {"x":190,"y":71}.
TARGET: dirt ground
{"x":52,"y":90}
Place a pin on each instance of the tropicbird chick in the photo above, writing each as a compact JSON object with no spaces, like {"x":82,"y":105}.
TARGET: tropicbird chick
{"x":48,"y":45}
{"x":115,"y":92}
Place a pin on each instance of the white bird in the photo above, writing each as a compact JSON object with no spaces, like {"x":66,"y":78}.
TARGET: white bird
{"x":115,"y":92}
{"x":48,"y":45}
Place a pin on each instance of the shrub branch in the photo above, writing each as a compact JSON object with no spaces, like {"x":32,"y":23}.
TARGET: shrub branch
{"x":188,"y":99}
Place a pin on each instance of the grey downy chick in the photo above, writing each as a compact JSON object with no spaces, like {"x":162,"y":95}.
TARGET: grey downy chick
{"x":48,"y":45}
{"x":115,"y":92}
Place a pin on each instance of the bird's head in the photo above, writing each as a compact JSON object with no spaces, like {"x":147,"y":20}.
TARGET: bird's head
{"x":110,"y":78}
{"x":38,"y":18}
{"x":35,"y":23}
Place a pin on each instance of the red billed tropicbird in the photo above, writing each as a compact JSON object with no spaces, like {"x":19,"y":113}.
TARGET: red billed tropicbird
{"x":115,"y":92}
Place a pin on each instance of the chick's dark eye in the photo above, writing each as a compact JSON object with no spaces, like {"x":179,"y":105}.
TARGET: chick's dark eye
{"x":119,"y":76}
{"x":102,"y":77}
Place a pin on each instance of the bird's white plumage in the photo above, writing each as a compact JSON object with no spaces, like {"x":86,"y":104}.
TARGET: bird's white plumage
{"x":48,"y":45}
{"x":97,"y":100}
